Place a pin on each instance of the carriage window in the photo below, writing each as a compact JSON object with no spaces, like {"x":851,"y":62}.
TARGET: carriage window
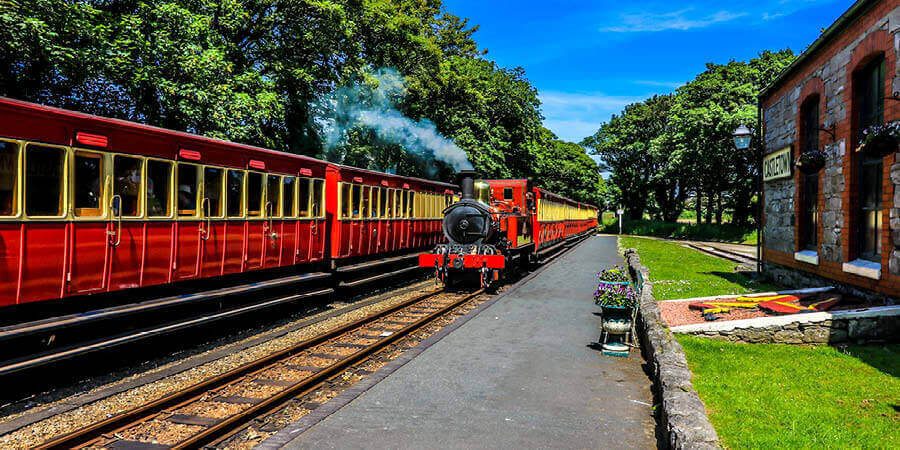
{"x":346,"y":201}
{"x":318,"y":210}
{"x":159,"y":178}
{"x":213,"y":184}
{"x":366,"y":202}
{"x":376,"y":199}
{"x":187,"y":189}
{"x":303,"y":202}
{"x":507,"y":193}
{"x":273,"y":202}
{"x":9,"y":178}
{"x":356,"y":200}
{"x":43,"y":180}
{"x":287,"y":196}
{"x":254,"y":194}
{"x":234,"y":196}
{"x":88,"y":184}
{"x":409,"y":203}
{"x":127,"y":184}
{"x":388,"y":205}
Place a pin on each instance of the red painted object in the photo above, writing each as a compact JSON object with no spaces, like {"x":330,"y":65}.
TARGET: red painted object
{"x":188,"y":207}
{"x":469,"y":261}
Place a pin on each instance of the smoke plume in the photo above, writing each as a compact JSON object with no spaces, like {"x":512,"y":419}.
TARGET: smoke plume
{"x":371,"y":104}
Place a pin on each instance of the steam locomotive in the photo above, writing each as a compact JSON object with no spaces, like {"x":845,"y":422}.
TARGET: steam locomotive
{"x":503,"y":225}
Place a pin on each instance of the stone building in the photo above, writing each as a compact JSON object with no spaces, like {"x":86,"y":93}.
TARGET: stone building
{"x":841,"y":225}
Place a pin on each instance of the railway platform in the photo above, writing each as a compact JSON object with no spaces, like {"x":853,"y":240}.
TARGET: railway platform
{"x":519,"y":374}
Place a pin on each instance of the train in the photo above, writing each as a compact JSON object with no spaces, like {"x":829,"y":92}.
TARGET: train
{"x":99,"y":207}
{"x":499,"y":226}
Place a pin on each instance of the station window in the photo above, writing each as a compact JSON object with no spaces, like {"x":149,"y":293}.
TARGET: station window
{"x":254,"y":194}
{"x":88,"y":184}
{"x":213,"y":185}
{"x":273,"y":200}
{"x":159,"y":180}
{"x":44,"y":180}
{"x":187,"y":189}
{"x":346,"y":201}
{"x":810,"y":183}
{"x":287,"y":196}
{"x":303,"y":199}
{"x":234,"y":194}
{"x":318,"y":200}
{"x":869,"y":90}
{"x":9,"y":178}
{"x":356,"y":200}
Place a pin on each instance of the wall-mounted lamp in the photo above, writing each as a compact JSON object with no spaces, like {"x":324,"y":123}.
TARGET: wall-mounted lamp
{"x":896,"y":96}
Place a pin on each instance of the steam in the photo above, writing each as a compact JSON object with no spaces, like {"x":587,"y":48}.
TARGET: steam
{"x":371,"y":105}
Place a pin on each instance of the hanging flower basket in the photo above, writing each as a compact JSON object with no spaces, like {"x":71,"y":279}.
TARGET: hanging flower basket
{"x":811,"y":161}
{"x":880,"y":140}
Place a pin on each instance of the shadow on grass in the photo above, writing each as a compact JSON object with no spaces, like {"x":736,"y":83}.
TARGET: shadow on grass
{"x":885,"y":358}
{"x":739,"y":278}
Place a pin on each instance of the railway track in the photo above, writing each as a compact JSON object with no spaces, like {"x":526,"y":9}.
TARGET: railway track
{"x":212,"y":411}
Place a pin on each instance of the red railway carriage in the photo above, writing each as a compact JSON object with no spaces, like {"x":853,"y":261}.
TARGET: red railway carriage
{"x":380,"y":218}
{"x":90,"y":204}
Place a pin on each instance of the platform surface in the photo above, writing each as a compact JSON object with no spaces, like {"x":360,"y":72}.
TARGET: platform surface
{"x":518,"y":375}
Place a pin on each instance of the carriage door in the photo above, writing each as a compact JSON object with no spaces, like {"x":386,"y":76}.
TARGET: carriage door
{"x":256,"y":223}
{"x":274,"y":224}
{"x":212,"y":212}
{"x":188,"y":242}
{"x":356,"y":219}
{"x":89,"y":233}
{"x":320,"y":228}
{"x":127,"y":256}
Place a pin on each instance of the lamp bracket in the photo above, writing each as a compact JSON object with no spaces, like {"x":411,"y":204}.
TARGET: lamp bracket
{"x":831,"y":130}
{"x":895,"y":97}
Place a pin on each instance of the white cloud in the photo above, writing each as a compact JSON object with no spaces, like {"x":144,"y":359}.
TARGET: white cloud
{"x":683,"y":19}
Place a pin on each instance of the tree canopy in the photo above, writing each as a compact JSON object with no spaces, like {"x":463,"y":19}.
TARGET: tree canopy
{"x":667,"y":148}
{"x":265,"y":72}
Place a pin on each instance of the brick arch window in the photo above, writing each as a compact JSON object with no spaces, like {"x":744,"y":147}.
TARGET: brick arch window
{"x":810,"y":121}
{"x":868,"y":84}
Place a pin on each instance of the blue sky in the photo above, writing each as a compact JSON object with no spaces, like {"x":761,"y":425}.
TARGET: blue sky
{"x":589,"y":59}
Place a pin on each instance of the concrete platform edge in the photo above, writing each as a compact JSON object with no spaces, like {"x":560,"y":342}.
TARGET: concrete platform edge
{"x":296,"y":429}
{"x":682,"y":412}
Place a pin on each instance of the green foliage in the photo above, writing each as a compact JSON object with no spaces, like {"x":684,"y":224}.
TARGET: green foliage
{"x":679,"y":272}
{"x":679,"y":230}
{"x":788,"y":396}
{"x":257,"y":71}
{"x":668,"y":147}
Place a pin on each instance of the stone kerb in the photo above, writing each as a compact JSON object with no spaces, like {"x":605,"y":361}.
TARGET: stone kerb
{"x":682,"y":413}
{"x":870,"y":325}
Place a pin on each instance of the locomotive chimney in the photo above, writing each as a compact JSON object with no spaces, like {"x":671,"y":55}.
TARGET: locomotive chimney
{"x":467,"y":184}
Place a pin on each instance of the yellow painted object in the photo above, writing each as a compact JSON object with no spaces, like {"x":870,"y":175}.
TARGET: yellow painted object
{"x":763,"y":299}
{"x":791,"y":305}
{"x":734,"y":304}
{"x":715,"y":310}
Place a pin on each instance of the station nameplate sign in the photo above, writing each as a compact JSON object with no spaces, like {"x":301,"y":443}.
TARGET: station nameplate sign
{"x":778,"y":165}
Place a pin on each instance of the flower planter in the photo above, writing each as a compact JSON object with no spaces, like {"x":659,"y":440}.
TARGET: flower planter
{"x":811,"y":162}
{"x":617,"y":322}
{"x":879,"y":146}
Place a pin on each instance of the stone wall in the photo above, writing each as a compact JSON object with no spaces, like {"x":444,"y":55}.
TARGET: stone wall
{"x":681,"y":411}
{"x":873,"y":325}
{"x":796,"y":279}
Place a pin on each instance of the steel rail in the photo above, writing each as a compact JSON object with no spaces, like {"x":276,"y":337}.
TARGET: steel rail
{"x":174,"y":400}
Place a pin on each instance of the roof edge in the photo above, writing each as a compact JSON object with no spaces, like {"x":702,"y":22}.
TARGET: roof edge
{"x":845,"y":19}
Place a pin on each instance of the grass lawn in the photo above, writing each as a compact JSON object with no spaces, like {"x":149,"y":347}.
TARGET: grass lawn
{"x":703,"y":232}
{"x":679,"y":272}
{"x":787,"y":396}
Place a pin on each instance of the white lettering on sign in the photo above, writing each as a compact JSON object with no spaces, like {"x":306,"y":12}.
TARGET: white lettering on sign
{"x":778,"y":165}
